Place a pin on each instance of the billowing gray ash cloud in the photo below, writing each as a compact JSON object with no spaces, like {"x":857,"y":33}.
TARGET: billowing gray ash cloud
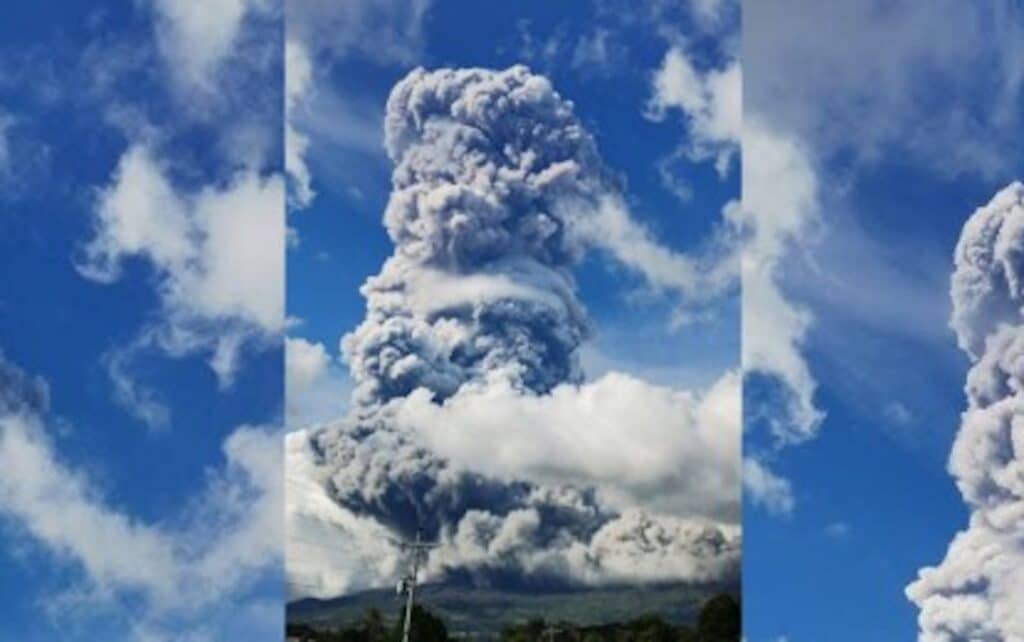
{"x":495,"y":188}
{"x":479,"y":285}
{"x":977,"y":592}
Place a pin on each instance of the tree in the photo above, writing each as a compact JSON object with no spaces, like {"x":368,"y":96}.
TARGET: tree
{"x":651,"y":628}
{"x":424,"y":626}
{"x":528,"y":632}
{"x":720,"y":620}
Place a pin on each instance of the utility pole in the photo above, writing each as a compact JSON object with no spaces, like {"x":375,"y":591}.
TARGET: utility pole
{"x":419,"y":550}
{"x":550,"y":632}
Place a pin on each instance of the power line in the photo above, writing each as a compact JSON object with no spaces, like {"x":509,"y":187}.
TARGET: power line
{"x":418,"y":549}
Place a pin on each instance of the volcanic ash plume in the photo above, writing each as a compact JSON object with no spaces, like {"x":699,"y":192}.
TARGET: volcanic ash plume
{"x":478,"y":288}
{"x":977,"y":592}
{"x":493,"y":182}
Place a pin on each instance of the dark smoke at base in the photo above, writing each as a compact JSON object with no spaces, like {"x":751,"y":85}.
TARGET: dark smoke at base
{"x":494,"y":188}
{"x":380,"y":472}
{"x":512,"y":533}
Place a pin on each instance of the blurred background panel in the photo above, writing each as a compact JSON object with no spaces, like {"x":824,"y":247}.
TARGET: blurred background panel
{"x":141,"y":318}
{"x":872,"y":132}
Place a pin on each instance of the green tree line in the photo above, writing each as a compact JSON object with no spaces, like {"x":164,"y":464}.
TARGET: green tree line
{"x":719,"y":620}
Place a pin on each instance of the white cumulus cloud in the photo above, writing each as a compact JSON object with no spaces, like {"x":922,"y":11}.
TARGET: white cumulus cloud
{"x":711,"y":101}
{"x":641,"y":445}
{"x":217,"y":253}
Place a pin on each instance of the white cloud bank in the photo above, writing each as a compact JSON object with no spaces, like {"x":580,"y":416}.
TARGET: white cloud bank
{"x":639,"y":444}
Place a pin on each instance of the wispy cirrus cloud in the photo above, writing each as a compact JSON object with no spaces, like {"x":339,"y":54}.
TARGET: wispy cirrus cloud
{"x":330,"y":32}
{"x":217,"y":254}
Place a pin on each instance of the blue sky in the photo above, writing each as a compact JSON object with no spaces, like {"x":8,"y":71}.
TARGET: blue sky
{"x":899,"y":168}
{"x":80,"y":86}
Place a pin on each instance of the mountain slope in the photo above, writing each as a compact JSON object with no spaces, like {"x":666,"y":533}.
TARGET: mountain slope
{"x":481,"y":610}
